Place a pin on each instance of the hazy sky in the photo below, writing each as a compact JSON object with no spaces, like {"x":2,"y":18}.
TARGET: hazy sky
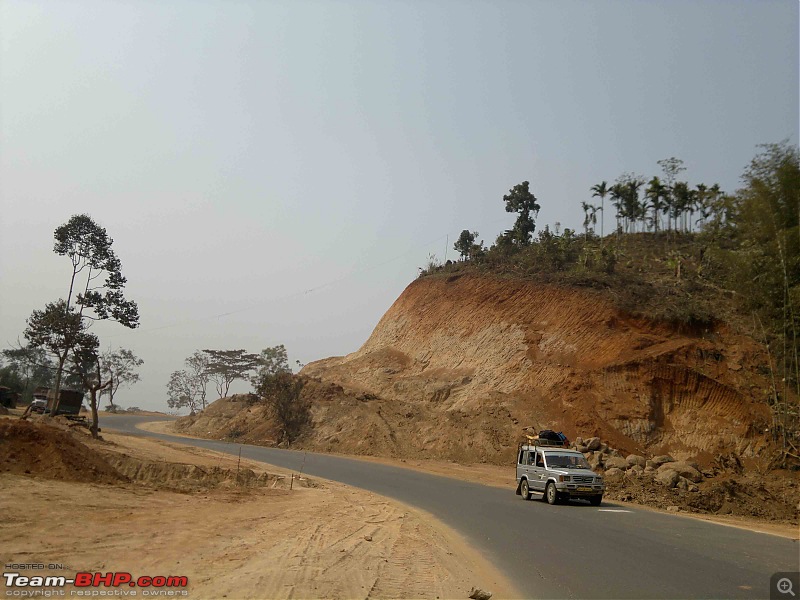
{"x":294,"y":163}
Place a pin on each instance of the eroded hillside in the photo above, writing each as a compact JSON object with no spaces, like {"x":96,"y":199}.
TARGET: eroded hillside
{"x":460,"y":363}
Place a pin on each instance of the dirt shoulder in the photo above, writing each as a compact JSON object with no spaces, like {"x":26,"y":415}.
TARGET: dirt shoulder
{"x":319,"y":539}
{"x":504,"y":477}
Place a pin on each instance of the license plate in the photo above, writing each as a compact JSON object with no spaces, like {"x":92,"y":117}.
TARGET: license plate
{"x":584,"y":489}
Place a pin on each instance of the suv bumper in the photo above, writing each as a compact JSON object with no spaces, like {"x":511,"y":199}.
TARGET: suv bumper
{"x":581,"y":489}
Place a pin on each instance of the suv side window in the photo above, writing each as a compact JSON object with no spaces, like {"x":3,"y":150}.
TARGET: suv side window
{"x":521,"y":459}
{"x":539,"y":460}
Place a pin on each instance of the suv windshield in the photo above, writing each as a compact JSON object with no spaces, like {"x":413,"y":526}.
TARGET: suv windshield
{"x":566,"y":461}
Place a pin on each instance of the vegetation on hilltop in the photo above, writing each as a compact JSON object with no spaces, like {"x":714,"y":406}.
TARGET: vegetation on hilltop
{"x":691,"y":257}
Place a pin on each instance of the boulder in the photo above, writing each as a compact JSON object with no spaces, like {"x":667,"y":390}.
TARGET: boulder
{"x":683,"y":484}
{"x":603,"y":448}
{"x":581,"y":448}
{"x":479,"y":594}
{"x":683,"y":469}
{"x":615,"y":462}
{"x":661,"y":460}
{"x":595,"y":460}
{"x":635,"y":459}
{"x":614,"y":475}
{"x":579,"y":441}
{"x":649,"y":470}
{"x":667,"y":478}
{"x":593,"y":444}
{"x":635,"y":471}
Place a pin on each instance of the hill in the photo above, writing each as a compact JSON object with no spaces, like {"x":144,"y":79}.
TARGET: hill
{"x":461,"y":362}
{"x":472,"y":352}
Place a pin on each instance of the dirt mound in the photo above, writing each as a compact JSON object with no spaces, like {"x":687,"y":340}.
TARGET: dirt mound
{"x":237,"y":418}
{"x":188,"y":478}
{"x":773,"y":498}
{"x":49,"y":452}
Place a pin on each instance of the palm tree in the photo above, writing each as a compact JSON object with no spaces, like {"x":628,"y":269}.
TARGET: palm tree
{"x":589,"y":217}
{"x":602,"y":190}
{"x":617,"y":193}
{"x":586,"y":218}
{"x":682,"y":200}
{"x":655,"y":193}
{"x":701,"y":199}
{"x":633,"y":207}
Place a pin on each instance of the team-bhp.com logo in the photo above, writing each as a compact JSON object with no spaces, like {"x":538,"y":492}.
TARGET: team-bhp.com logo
{"x":88,"y":584}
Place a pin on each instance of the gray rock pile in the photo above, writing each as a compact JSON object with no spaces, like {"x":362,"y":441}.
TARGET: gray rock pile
{"x":663,"y":469}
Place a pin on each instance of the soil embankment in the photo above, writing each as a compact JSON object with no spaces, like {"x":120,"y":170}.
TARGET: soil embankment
{"x":235,"y":530}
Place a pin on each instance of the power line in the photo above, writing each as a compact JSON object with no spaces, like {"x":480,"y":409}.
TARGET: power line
{"x":298,"y":294}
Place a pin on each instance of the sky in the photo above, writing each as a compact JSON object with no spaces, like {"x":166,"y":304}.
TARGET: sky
{"x":277,"y":172}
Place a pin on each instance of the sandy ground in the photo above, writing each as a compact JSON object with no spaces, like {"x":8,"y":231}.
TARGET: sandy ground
{"x":324,"y":541}
{"x":504,"y":477}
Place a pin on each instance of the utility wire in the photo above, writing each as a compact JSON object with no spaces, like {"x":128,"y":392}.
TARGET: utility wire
{"x":349,"y":275}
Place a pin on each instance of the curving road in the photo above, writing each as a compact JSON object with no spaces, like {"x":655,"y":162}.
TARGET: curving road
{"x":562,"y":551}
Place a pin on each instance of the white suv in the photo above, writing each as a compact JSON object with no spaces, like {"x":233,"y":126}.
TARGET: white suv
{"x":558,"y":473}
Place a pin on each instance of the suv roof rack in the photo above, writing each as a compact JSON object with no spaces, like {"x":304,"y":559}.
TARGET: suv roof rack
{"x":531,"y":441}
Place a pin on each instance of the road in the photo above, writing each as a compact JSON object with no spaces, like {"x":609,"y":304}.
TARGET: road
{"x":562,"y":551}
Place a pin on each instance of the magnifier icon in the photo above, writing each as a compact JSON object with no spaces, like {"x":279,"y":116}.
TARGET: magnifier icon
{"x":784,"y":586}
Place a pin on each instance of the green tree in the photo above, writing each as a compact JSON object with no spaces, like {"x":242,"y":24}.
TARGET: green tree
{"x":756,"y":233}
{"x":226,"y":366}
{"x":89,"y":366}
{"x":273,"y":360}
{"x":602,"y":190}
{"x":182,"y":392}
{"x":589,"y":217}
{"x":465,"y":245}
{"x":768,"y":229}
{"x":121,"y":368}
{"x":197,"y":368}
{"x":655,"y":194}
{"x":97,"y":271}
{"x":617,"y":193}
{"x":29,"y":367}
{"x":521,"y":201}
{"x":282,"y":393}
{"x":671,"y":167}
{"x":59,"y":329}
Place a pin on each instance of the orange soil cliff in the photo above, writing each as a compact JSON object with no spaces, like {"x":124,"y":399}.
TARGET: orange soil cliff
{"x":459,"y":364}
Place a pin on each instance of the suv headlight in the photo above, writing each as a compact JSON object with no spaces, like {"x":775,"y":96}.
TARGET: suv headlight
{"x":598,"y":480}
{"x":563,"y":478}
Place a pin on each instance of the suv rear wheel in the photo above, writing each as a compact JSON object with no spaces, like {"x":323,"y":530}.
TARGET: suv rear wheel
{"x":525,"y":490}
{"x":596,"y":500}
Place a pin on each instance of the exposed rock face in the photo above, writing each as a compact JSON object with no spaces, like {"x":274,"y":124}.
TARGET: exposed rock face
{"x":491,"y":355}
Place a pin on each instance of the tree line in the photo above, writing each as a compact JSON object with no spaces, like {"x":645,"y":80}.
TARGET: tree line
{"x":269,"y":373}
{"x":657,"y":204}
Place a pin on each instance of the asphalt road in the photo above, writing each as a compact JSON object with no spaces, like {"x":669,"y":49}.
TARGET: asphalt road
{"x":562,"y":551}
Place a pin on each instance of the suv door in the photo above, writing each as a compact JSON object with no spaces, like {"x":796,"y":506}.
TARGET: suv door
{"x":538,"y":473}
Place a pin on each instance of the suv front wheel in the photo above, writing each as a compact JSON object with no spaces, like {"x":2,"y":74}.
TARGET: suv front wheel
{"x":551,"y":494}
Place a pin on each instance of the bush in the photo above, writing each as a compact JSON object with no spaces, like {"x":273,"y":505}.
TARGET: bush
{"x":282,"y":393}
